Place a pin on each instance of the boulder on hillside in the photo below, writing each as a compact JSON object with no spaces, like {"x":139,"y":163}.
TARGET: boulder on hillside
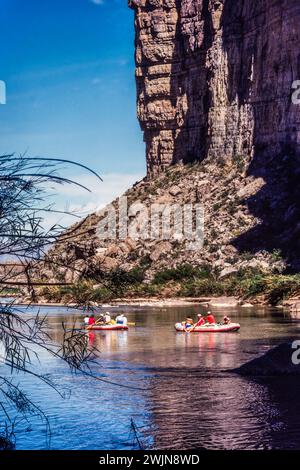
{"x":175,"y":191}
{"x":251,"y":188}
{"x":160,"y":249}
{"x":227,"y":272}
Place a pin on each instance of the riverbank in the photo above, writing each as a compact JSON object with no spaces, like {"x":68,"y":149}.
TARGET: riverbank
{"x":182,"y":285}
{"x":210,"y":302}
{"x":140,"y":302}
{"x":179,"y":285}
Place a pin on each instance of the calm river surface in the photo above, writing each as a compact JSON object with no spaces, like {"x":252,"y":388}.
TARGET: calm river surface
{"x":186,"y":396}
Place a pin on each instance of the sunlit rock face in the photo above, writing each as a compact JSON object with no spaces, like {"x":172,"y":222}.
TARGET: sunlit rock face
{"x":214,"y":78}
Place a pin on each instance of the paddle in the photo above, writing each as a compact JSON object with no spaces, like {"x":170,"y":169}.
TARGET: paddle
{"x":89,"y":327}
{"x":98,"y":321}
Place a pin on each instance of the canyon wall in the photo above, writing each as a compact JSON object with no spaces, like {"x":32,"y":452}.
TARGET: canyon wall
{"x":214,"y":79}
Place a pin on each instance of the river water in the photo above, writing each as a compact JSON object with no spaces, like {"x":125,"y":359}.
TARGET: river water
{"x":183,"y":395}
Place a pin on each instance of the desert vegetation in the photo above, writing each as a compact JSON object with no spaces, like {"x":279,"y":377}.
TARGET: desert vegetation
{"x":183,"y":281}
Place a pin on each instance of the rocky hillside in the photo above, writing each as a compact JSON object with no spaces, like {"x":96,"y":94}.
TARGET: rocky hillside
{"x":222,"y":189}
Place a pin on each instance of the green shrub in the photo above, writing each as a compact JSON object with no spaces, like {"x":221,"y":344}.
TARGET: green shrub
{"x":136,"y":275}
{"x":239,"y":161}
{"x":202,"y":287}
{"x":281,"y":287}
{"x":277,"y":255}
{"x":145,"y":261}
{"x":181,"y":272}
{"x":121,"y":279}
{"x":101,"y":294}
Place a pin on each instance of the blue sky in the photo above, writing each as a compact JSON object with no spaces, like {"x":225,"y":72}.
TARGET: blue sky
{"x":69,"y":72}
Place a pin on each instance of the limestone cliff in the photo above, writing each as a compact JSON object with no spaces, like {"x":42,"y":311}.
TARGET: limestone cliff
{"x":214,"y":79}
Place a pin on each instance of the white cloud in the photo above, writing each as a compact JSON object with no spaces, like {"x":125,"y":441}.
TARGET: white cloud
{"x":80,"y":202}
{"x":98,"y":2}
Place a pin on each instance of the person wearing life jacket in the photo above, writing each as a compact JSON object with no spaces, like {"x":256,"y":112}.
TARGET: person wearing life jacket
{"x":92,"y":320}
{"x":200,"y":322}
{"x":101,"y":319}
{"x":188,"y":323}
{"x":226,"y":320}
{"x":210,"y":318}
{"x":86,"y":320}
{"x":121,"y":319}
{"x":107,"y":318}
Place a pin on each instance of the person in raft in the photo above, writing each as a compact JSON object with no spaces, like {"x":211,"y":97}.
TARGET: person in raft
{"x":86,"y":320}
{"x":121,"y":319}
{"x":210,"y":318}
{"x":92,"y":320}
{"x":226,"y":320}
{"x":107,"y":317}
{"x":200,"y":322}
{"x":188,"y":323}
{"x":101,"y":319}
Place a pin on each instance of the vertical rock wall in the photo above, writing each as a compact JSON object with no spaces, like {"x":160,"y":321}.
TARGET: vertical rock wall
{"x":214,"y":78}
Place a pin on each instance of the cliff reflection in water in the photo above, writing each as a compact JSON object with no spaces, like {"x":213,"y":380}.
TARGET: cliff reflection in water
{"x":191,"y":411}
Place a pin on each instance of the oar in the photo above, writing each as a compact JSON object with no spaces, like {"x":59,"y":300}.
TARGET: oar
{"x":131,"y":324}
{"x":89,"y":327}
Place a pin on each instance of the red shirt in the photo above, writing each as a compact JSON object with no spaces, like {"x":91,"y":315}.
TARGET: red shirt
{"x":91,"y":321}
{"x":210,"y":319}
{"x":200,"y":322}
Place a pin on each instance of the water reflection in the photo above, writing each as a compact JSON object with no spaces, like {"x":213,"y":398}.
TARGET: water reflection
{"x":219,"y":412}
{"x":189,"y":397}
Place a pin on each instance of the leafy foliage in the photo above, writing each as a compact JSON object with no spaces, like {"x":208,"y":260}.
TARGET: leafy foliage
{"x":23,"y":241}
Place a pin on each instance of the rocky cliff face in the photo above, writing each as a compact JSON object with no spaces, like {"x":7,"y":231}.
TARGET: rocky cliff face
{"x":214,"y":79}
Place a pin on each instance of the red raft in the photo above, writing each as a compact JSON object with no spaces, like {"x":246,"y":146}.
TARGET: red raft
{"x":230,"y":328}
{"x":106,"y":327}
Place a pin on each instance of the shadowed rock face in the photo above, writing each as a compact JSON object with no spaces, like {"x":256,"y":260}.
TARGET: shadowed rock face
{"x":277,"y":361}
{"x":214,"y":79}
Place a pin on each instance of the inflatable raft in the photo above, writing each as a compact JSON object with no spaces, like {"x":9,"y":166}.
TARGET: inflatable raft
{"x":231,"y":327}
{"x":106,"y":327}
